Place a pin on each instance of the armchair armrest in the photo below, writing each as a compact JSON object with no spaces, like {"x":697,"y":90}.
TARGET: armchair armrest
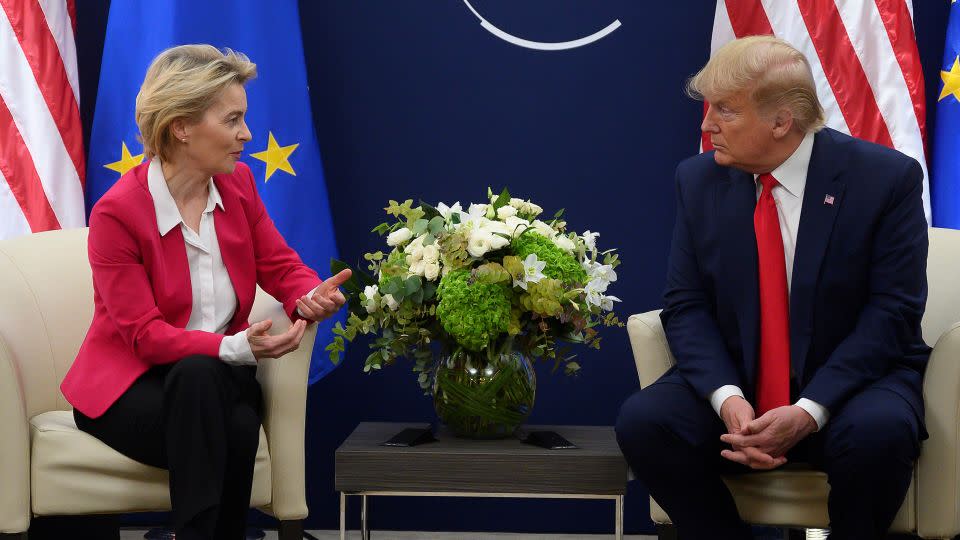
{"x":14,"y":448}
{"x":650,"y":349}
{"x":937,"y":474}
{"x":284,"y":384}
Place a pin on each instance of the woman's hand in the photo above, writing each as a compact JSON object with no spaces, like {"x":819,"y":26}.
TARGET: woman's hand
{"x":264,"y":345}
{"x":326,"y":299}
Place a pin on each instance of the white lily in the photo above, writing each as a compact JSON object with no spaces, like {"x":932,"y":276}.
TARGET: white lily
{"x":590,"y":240}
{"x":594,"y":293}
{"x":532,"y":271}
{"x":606,"y":303}
{"x":448,"y":211}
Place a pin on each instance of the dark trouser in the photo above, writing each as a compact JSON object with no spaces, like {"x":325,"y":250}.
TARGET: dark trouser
{"x":200,"y":419}
{"x":671,"y":439}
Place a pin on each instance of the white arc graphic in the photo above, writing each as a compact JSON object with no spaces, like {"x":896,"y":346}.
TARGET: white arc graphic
{"x":543,"y":45}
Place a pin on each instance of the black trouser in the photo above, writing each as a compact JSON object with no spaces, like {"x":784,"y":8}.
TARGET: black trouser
{"x":200,"y":419}
{"x":671,"y":439}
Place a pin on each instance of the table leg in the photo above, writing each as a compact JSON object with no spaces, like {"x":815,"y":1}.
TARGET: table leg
{"x":364,"y":524}
{"x":343,"y":516}
{"x":618,"y":528}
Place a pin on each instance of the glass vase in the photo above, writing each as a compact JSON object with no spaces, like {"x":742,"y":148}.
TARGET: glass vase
{"x":480,"y":395}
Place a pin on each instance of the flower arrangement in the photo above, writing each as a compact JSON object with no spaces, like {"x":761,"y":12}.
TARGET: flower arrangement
{"x":485,"y":280}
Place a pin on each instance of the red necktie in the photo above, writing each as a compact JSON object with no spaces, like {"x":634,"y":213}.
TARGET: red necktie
{"x":773,"y":377}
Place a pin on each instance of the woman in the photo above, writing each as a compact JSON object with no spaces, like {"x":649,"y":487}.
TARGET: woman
{"x":166,"y":373}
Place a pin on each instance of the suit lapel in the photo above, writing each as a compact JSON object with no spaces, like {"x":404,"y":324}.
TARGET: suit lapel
{"x":736,"y":200}
{"x":817,"y":217}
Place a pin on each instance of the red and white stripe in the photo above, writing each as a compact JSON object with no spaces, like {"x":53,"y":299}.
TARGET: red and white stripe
{"x":41,"y":138}
{"x":864,"y":58}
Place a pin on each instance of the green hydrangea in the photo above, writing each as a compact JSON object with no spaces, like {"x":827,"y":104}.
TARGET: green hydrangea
{"x":473,"y":313}
{"x":560,"y":264}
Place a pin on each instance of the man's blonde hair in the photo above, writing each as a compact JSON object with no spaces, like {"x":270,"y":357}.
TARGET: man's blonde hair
{"x":773,"y":72}
{"x":183,"y":82}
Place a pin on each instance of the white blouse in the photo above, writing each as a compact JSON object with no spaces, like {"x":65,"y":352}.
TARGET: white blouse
{"x":214,"y":300}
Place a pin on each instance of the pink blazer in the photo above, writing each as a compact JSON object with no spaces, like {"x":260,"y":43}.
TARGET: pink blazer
{"x":141,"y":284}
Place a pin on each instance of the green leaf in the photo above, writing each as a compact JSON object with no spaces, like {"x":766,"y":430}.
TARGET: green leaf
{"x":428,"y":239}
{"x":492,"y":273}
{"x":436,"y":224}
{"x":419,"y":226}
{"x":514,"y":265}
{"x":411,"y":285}
{"x":352,"y":285}
{"x":429,"y":211}
{"x":455,"y":219}
{"x":381,"y":229}
{"x":502,"y":200}
{"x":558,"y":214}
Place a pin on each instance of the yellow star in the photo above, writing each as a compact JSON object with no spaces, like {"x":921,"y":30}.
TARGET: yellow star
{"x":275,"y":156}
{"x":126,"y":162}
{"x":951,"y":81}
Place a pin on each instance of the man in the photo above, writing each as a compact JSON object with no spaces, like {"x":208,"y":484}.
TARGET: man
{"x":795,"y":289}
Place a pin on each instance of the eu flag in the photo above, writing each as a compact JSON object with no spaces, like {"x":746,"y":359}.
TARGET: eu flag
{"x":284,"y":154}
{"x":946,"y":140}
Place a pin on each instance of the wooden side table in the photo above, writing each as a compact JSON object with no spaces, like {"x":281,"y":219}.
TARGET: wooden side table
{"x":454,"y":467}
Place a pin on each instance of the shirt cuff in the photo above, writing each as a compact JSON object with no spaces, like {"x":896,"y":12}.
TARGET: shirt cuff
{"x":819,"y":413}
{"x":721,"y":394}
{"x":308,"y":294}
{"x":235,"y":350}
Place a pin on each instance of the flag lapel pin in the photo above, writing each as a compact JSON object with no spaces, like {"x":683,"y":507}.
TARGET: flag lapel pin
{"x":828,"y":200}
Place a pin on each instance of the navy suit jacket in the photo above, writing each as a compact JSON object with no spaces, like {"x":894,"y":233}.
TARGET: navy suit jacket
{"x":859,"y":276}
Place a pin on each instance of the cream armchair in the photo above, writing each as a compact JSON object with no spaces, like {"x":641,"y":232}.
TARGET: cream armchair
{"x":797,"y":497}
{"x":48,"y":466}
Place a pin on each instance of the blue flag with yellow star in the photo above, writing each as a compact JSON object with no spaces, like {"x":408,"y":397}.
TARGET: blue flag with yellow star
{"x":945,"y":177}
{"x":284,"y":154}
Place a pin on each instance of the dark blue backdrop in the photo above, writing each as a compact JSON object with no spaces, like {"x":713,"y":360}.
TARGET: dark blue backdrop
{"x":413,"y":99}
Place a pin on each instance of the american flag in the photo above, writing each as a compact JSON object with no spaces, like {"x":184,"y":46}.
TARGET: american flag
{"x":864,"y":58}
{"x":41,"y":138}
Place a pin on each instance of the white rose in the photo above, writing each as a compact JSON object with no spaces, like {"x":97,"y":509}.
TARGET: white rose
{"x":418,"y":267}
{"x":479,"y":244}
{"x":399,"y":236}
{"x":533,"y":209}
{"x":544,"y":229}
{"x":506,"y":211}
{"x":430,"y":254}
{"x":563,"y":243}
{"x":390,"y":302}
{"x":498,"y":242}
{"x":516,"y":225}
{"x":431,"y":271}
{"x":370,"y":291}
{"x":414,"y":247}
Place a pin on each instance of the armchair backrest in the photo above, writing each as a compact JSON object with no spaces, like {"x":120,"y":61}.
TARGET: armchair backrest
{"x":943,"y":282}
{"x":46,"y":304}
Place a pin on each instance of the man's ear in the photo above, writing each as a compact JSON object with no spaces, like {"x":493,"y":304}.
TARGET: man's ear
{"x":782,"y":123}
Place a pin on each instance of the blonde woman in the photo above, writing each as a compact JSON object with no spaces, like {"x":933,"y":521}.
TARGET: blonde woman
{"x":166,"y":373}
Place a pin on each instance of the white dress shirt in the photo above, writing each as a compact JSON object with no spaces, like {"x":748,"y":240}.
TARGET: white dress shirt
{"x":791,"y":176}
{"x":214,"y":300}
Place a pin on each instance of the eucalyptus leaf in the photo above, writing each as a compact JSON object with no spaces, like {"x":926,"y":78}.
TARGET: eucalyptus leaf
{"x":420,"y":226}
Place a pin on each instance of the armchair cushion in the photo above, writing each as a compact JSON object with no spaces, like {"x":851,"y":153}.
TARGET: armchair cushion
{"x":74,"y":473}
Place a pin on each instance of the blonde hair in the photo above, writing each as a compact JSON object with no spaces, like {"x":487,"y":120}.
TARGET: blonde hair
{"x":183,"y":82}
{"x":773,"y":71}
